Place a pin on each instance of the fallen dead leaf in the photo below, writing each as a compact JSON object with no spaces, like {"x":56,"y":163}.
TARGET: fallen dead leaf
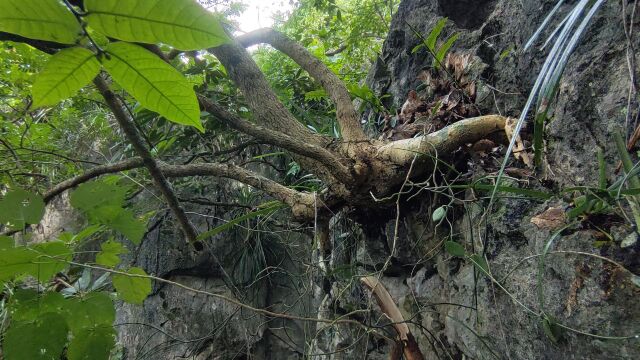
{"x":551,"y":219}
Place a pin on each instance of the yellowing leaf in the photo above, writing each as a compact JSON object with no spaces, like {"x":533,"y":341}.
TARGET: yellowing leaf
{"x":65,"y":73}
{"x":132,"y":289}
{"x":155,"y":84}
{"x":183,"y":24}
{"x":39,"y":19}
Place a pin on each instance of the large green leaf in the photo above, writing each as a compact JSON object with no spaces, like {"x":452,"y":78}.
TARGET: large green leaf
{"x":28,"y":305}
{"x":183,"y":24}
{"x":126,"y":224}
{"x":92,"y":311}
{"x":41,"y":261}
{"x":155,"y":84}
{"x":92,"y":344}
{"x":97,"y":194}
{"x":51,"y":258}
{"x":65,"y":73}
{"x":43,"y":338}
{"x":103,"y":203}
{"x":19,"y":208}
{"x":39,"y":19}
{"x":132,"y":289}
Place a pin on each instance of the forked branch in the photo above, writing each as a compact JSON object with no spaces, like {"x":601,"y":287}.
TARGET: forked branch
{"x":347,"y":116}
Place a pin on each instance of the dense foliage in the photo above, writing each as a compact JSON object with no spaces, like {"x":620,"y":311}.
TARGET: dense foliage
{"x":53,"y":127}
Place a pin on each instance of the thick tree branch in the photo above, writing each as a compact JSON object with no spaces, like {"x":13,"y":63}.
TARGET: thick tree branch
{"x":130,"y":130}
{"x":442,"y":143}
{"x":312,"y":151}
{"x":346,"y":113}
{"x":262,"y":101}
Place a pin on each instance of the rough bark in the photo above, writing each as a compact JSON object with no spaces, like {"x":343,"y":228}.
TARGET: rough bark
{"x":345,"y":111}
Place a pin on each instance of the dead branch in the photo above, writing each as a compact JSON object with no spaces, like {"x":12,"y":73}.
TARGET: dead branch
{"x":411,"y":350}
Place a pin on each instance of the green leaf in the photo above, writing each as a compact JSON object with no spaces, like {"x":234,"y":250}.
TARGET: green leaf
{"x":92,"y":311}
{"x":19,"y":208}
{"x":65,"y":73}
{"x":129,"y":226}
{"x":551,"y":328}
{"x":132,"y":289}
{"x":51,"y":258}
{"x":43,"y":338}
{"x":439,"y":213}
{"x":480,"y":262}
{"x":454,"y":248}
{"x":42,"y":261}
{"x":155,"y":84}
{"x":39,"y":19}
{"x":7,"y":242}
{"x":442,"y":51}
{"x":92,"y":344}
{"x":96,"y":194}
{"x":28,"y":305}
{"x":15,"y":262}
{"x":109,"y":255}
{"x":182,"y":24}
{"x":215,"y":231}
{"x":430,"y":42}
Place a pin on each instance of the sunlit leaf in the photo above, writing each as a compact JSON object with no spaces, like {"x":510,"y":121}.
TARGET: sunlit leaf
{"x":19,"y":208}
{"x":155,"y":84}
{"x":39,"y":19}
{"x":132,"y":289}
{"x":430,"y":42}
{"x":65,"y":73}
{"x":183,"y":24}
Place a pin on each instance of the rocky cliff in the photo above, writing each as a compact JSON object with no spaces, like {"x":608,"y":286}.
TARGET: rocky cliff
{"x":455,"y":311}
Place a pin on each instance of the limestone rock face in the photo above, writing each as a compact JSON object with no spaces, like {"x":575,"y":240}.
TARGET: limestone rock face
{"x":455,"y":311}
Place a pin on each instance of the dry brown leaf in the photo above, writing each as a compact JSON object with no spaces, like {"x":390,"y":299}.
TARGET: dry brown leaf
{"x":551,"y":219}
{"x":519,"y":150}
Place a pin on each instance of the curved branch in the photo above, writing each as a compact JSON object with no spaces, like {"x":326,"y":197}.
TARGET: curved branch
{"x":443,"y":142}
{"x":312,"y":151}
{"x":262,"y":101}
{"x":302,"y":204}
{"x":346,"y":113}
{"x":93,"y":173}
